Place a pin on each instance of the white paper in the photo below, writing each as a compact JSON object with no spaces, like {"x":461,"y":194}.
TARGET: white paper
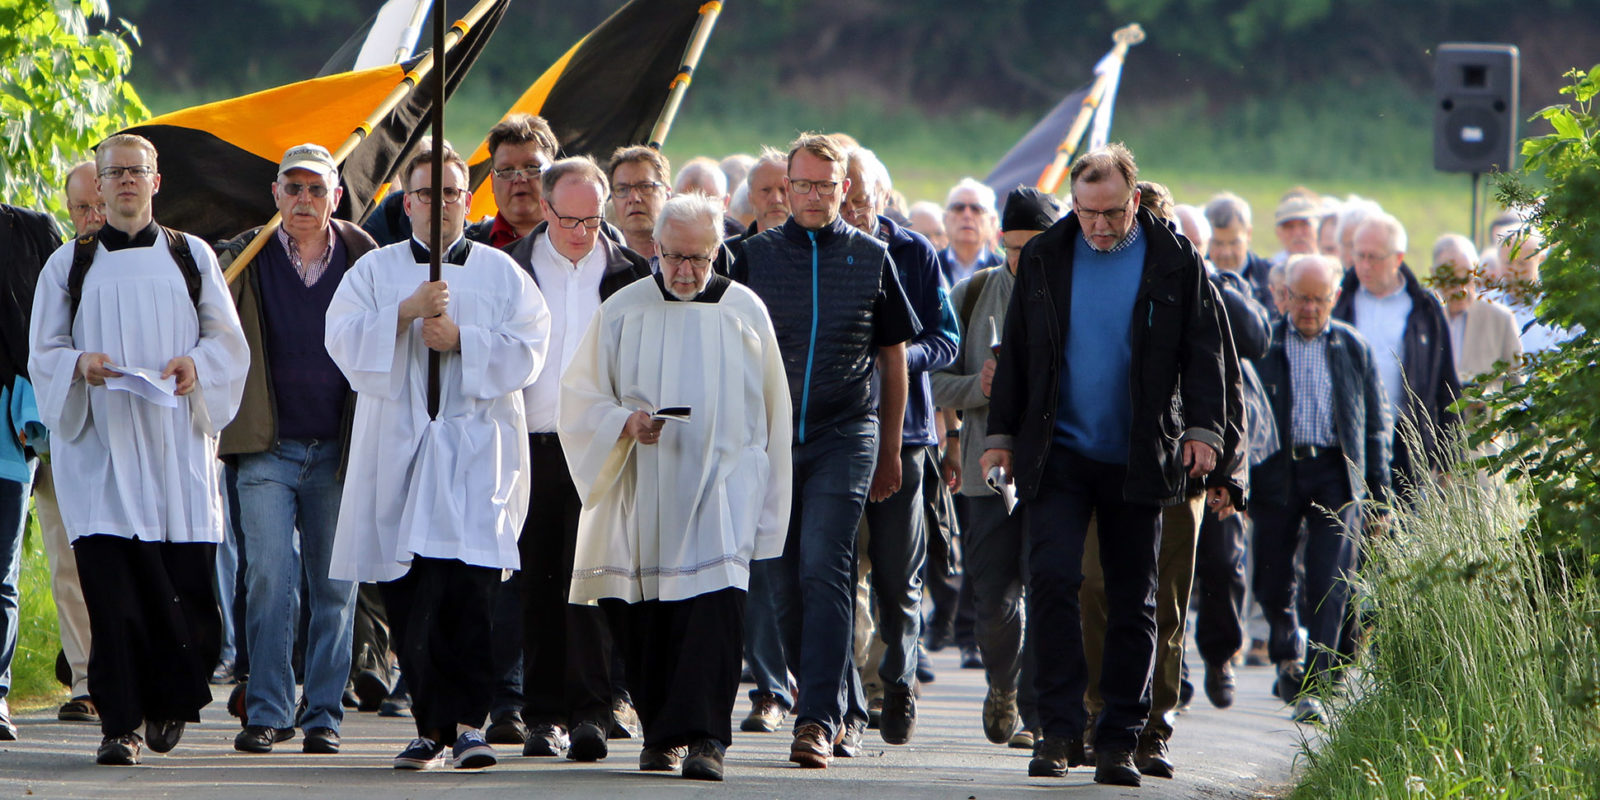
{"x":1006,"y":489}
{"x":146,"y":383}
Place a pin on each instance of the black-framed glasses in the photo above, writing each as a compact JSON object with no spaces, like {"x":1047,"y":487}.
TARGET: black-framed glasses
{"x":592,"y":223}
{"x":823,"y":188}
{"x":137,"y":171}
{"x":674,"y":259}
{"x":316,"y":190}
{"x":644,"y":188}
{"x":512,"y":173}
{"x":426,"y":194}
{"x":1111,"y":215}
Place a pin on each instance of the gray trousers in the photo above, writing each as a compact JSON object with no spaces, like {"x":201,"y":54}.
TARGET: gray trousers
{"x":995,"y":565}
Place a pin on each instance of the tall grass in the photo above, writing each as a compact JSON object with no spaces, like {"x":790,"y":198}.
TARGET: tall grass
{"x":1482,"y":678}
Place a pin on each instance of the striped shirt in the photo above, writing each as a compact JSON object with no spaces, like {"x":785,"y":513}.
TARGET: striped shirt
{"x":312,"y":272}
{"x":1311,"y":386}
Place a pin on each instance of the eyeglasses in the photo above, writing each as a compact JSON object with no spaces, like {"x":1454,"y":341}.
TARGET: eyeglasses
{"x":823,"y":188}
{"x":84,"y":208}
{"x":674,"y":259}
{"x":570,"y":223}
{"x":137,"y":171}
{"x":317,"y":190}
{"x":1113,"y":216}
{"x":512,"y":173}
{"x":1373,"y":258}
{"x":645,"y":189}
{"x":956,"y":208}
{"x":425,"y":195}
{"x":1311,"y":300}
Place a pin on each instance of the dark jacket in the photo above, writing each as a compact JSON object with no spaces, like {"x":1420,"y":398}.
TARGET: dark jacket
{"x":1176,"y":331}
{"x":255,"y":428}
{"x":27,"y":238}
{"x":1430,"y":374}
{"x":623,"y":266}
{"x":936,"y":346}
{"x":1357,"y":415}
{"x":1251,"y":328}
{"x":1257,"y":272}
{"x":835,"y":299}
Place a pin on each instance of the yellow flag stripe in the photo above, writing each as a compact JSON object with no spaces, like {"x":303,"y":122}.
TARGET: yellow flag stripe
{"x":531,"y":101}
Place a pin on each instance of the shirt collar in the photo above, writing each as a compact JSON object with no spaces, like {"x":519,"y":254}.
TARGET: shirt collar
{"x":546,"y":248}
{"x":455,"y":254}
{"x":1133,"y":236}
{"x":501,"y":233}
{"x":1322,"y":334}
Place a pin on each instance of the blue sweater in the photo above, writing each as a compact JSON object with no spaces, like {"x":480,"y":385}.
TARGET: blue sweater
{"x":309,"y":388}
{"x":1093,"y":417}
{"x":936,"y":346}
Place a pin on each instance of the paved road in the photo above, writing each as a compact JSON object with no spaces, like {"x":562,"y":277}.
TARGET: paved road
{"x":1245,"y":752}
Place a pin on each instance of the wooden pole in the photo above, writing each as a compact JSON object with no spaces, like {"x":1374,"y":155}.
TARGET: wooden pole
{"x":436,"y":242}
{"x":411,"y":79}
{"x":1050,"y":179}
{"x":680,"y":82}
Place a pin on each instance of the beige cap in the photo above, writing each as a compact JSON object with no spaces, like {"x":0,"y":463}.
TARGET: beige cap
{"x":1296,"y":207}
{"x":309,"y":157}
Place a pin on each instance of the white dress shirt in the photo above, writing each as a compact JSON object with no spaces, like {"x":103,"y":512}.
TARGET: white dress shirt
{"x":572,"y":293}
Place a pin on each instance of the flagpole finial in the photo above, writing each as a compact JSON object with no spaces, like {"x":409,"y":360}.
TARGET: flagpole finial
{"x":1128,"y":35}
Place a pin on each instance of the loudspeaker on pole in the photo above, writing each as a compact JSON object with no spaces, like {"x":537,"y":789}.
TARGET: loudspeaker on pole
{"x":1475,"y":107}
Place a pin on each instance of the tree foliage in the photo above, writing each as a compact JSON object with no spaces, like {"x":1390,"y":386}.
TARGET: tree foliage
{"x":62,"y":90}
{"x":1557,"y":411}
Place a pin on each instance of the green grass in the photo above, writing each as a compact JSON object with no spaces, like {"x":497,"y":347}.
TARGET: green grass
{"x":33,"y":681}
{"x":1481,"y":680}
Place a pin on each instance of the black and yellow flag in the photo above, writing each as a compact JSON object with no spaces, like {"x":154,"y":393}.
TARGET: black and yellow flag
{"x":608,"y":89}
{"x":218,"y":160}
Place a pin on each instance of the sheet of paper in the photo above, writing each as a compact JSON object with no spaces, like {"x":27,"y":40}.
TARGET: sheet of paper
{"x":1006,"y":489}
{"x":146,"y":383}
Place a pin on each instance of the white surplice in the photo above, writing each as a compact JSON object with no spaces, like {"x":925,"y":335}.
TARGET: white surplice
{"x":687,"y":515}
{"x":123,"y":465}
{"x":455,"y":487}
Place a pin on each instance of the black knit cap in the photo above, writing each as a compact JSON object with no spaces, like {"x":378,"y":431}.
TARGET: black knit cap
{"x":1028,"y":209}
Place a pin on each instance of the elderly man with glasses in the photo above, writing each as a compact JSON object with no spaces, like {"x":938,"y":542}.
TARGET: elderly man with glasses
{"x":843,"y":321}
{"x":567,"y":657}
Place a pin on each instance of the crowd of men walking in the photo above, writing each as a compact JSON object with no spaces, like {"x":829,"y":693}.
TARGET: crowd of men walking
{"x":755,"y":420}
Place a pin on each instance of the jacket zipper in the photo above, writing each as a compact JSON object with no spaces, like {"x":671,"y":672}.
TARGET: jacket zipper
{"x":811,"y":350}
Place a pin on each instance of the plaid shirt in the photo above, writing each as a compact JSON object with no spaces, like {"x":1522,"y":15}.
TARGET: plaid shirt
{"x":1311,"y":385}
{"x":1133,"y":236}
{"x":312,"y":272}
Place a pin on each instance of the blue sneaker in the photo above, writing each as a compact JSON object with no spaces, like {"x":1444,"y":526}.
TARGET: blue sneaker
{"x":421,"y":754}
{"x":472,"y":752}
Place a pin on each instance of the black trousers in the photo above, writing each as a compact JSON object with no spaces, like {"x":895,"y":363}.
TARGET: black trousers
{"x":439,"y":616}
{"x":685,"y":656}
{"x":567,"y":649}
{"x":1072,"y":489}
{"x":1318,"y":484}
{"x":1219,"y":584}
{"x":370,"y":636}
{"x":155,"y":625}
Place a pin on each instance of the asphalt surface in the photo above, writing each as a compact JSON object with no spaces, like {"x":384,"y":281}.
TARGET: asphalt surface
{"x":1244,"y":752}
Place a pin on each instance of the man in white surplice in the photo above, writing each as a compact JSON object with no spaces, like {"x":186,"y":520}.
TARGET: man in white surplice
{"x":135,"y":454}
{"x":432,"y":507}
{"x":675,"y":511}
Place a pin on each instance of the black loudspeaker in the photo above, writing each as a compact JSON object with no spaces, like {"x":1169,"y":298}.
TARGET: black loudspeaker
{"x":1475,"y":110}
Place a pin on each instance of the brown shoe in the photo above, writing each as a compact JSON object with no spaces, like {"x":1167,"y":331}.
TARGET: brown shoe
{"x":662,"y":759}
{"x":811,"y":748}
{"x":1151,"y":756}
{"x":766,"y":714}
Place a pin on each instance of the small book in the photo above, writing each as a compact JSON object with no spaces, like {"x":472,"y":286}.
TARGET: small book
{"x":674,"y":413}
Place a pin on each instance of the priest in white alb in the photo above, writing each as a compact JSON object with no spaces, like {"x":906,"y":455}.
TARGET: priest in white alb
{"x":432,"y":505}
{"x":138,"y":361}
{"x":674,"y":510}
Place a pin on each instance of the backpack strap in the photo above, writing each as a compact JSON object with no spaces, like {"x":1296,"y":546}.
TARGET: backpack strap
{"x":82,"y":258}
{"x":969,"y":301}
{"x":179,"y":245}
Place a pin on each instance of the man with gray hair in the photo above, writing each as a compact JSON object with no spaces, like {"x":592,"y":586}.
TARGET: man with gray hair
{"x":1410,"y":338}
{"x":1333,"y":465}
{"x":896,"y":548}
{"x":675,"y":420}
{"x":970,"y":222}
{"x":1229,"y":249}
{"x":705,"y":176}
{"x":1193,"y":225}
{"x":928,"y":219}
{"x":1352,"y":213}
{"x":1483,"y":333}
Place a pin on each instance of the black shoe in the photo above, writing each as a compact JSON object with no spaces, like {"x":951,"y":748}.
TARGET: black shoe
{"x":899,"y":720}
{"x":971,"y":658}
{"x":940,"y":635}
{"x":118,"y":751}
{"x":704,"y":762}
{"x":162,"y":735}
{"x":924,"y":667}
{"x":1220,"y":684}
{"x":1151,"y":757}
{"x":661,"y":759}
{"x":78,"y":709}
{"x":1053,"y":755}
{"x":874,"y":713}
{"x":221,"y":676}
{"x":370,"y":689}
{"x":63,"y":669}
{"x":848,"y":744}
{"x":588,"y":742}
{"x":1115,"y":767}
{"x":349,"y":699}
{"x":545,"y":739}
{"x":321,"y":741}
{"x":259,"y":738}
{"x":8,"y":731}
{"x":1290,"y":679}
{"x":395,"y":705}
{"x":507,"y":728}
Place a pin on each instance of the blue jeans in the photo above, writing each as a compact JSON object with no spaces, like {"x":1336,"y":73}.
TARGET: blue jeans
{"x":13,"y":520}
{"x":292,"y":486}
{"x":813,"y":582}
{"x":763,"y":640}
